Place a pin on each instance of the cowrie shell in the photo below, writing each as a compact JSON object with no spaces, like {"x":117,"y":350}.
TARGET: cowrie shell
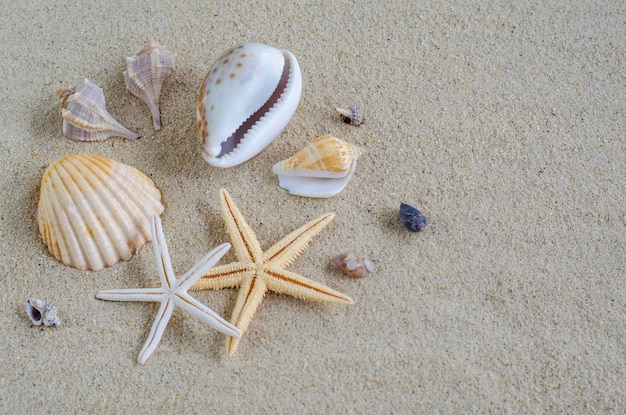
{"x":245,"y":101}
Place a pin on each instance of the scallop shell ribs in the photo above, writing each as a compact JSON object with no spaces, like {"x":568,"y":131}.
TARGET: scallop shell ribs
{"x":94,"y":212}
{"x":146,"y":72}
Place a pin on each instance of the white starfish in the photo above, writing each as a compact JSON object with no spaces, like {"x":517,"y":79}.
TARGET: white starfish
{"x":172,"y":292}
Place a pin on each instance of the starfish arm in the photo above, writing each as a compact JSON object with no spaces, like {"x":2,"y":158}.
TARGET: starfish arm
{"x":161,"y":254}
{"x":291,"y":246}
{"x":190,"y":277}
{"x":248,"y":300}
{"x":243,"y":238}
{"x":132,"y":294}
{"x":225,"y":276}
{"x":156,"y":332}
{"x":207,"y":315}
{"x":286,"y":282}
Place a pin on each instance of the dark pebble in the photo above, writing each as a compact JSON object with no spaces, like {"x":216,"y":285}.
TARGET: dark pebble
{"x":411,"y":218}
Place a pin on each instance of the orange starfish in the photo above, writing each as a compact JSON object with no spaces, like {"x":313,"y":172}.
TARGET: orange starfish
{"x":256,"y":272}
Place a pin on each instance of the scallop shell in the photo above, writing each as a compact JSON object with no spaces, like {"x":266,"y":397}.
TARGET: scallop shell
{"x":146,"y":72}
{"x":85,"y":117}
{"x":42,"y":312}
{"x":247,"y":98}
{"x":322,"y":168}
{"x":94,"y":212}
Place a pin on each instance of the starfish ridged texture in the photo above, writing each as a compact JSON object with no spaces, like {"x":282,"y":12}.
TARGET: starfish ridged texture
{"x":172,"y":292}
{"x":256,"y":272}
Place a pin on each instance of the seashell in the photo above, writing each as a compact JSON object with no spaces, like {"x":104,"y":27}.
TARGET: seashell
{"x":94,"y":212}
{"x":42,"y":312}
{"x":321,"y":169}
{"x":352,"y":265}
{"x":411,"y":218}
{"x":351,"y":115}
{"x":85,"y":117}
{"x":146,"y":72}
{"x":247,"y":98}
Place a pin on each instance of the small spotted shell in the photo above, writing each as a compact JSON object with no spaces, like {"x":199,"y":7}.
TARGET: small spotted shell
{"x":247,"y":98}
{"x":352,"y":265}
{"x":42,"y":312}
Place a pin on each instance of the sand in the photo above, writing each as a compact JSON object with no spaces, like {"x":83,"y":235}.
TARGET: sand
{"x":503,"y":123}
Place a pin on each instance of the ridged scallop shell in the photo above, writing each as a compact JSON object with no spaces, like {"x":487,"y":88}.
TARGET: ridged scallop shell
{"x":322,"y":168}
{"x":146,"y":72}
{"x":94,"y":212}
{"x":247,"y":98}
{"x":85,"y":117}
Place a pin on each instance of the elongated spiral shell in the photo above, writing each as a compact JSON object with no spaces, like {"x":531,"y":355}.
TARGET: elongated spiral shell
{"x":146,"y":72}
{"x":94,"y":212}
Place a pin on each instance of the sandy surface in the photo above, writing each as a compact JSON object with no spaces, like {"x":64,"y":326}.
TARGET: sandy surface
{"x":503,"y":123}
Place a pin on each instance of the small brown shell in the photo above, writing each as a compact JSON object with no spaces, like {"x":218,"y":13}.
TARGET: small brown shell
{"x":351,"y":115}
{"x":146,"y":72}
{"x":352,"y":265}
{"x":85,"y":117}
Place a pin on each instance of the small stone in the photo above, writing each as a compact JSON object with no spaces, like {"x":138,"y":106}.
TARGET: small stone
{"x":412,"y":218}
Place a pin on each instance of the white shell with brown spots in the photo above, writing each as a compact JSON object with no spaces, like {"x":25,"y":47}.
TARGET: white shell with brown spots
{"x":246,"y":100}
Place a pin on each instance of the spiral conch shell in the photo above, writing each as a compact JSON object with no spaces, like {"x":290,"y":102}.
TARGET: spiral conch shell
{"x":85,"y":117}
{"x":146,"y":72}
{"x":247,"y":98}
{"x":322,"y":168}
{"x":94,"y":212}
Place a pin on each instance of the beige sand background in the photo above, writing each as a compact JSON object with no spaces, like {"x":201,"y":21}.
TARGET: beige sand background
{"x":503,"y":123}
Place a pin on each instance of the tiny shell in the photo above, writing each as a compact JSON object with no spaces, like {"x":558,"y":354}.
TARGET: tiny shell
{"x":352,"y":265}
{"x":146,"y":72}
{"x":94,"y":212}
{"x":411,"y":218}
{"x":85,"y":117}
{"x":42,"y":312}
{"x":351,"y":115}
{"x":246,"y":100}
{"x":322,"y":168}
